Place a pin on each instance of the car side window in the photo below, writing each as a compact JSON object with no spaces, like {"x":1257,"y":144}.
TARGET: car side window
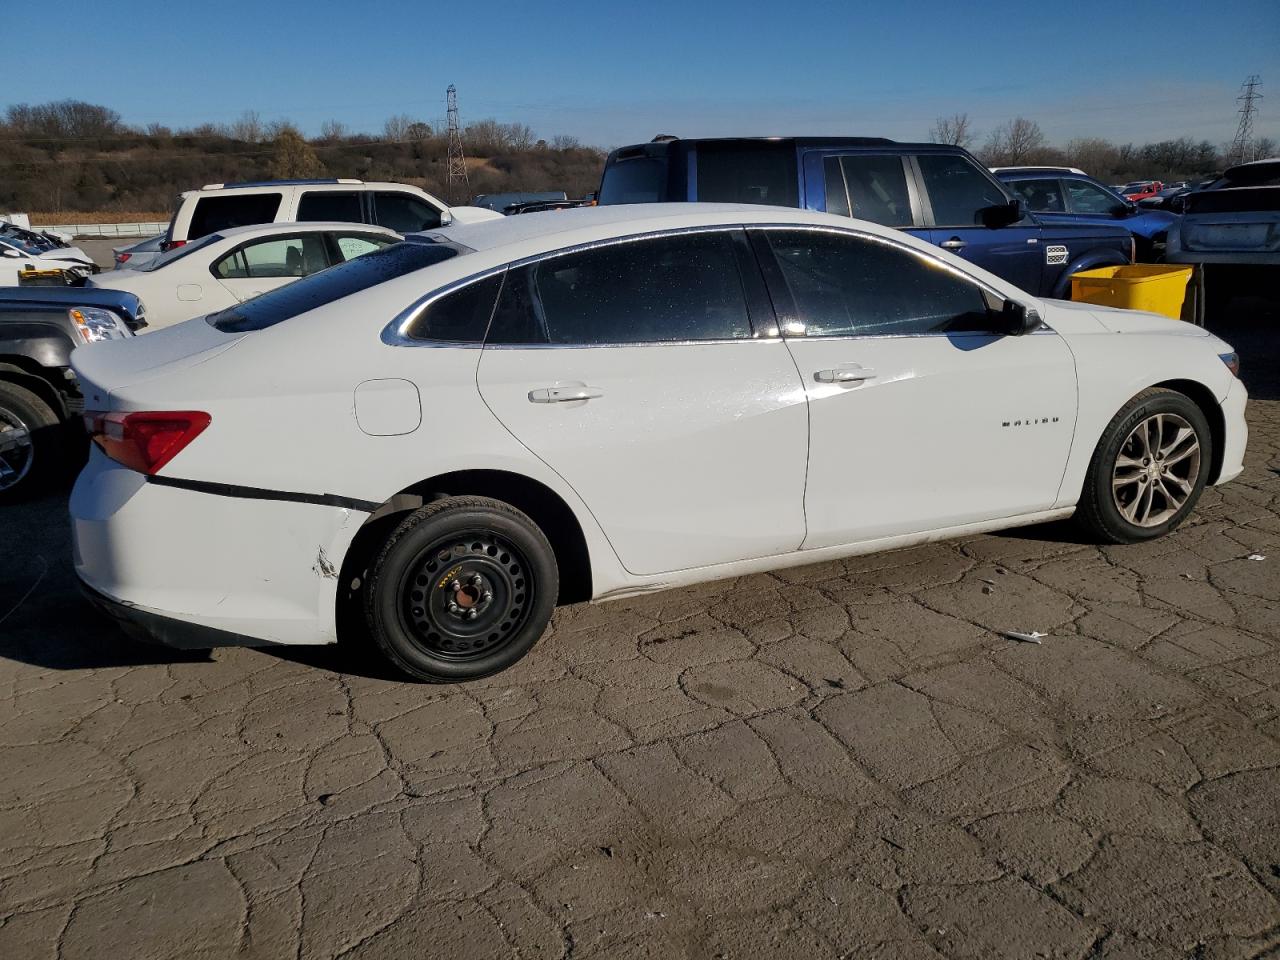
{"x":342,"y":206}
{"x":1042,"y":196}
{"x":958,"y":191}
{"x":1085,"y":197}
{"x":284,"y":257}
{"x":215,"y":213}
{"x":846,"y":286}
{"x":868,"y":188}
{"x":680,"y":287}
{"x":459,"y":316}
{"x":403,"y":212}
{"x":351,"y":246}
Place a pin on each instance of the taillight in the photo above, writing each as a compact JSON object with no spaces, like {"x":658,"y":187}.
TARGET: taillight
{"x":172,"y":245}
{"x":123,"y":257}
{"x":145,"y":441}
{"x":1232,"y":360}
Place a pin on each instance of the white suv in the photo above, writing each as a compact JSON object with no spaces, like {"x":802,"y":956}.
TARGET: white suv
{"x":397,"y":206}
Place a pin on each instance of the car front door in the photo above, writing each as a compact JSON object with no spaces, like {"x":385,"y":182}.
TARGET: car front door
{"x":649,"y":375}
{"x":958,"y":197}
{"x":266,"y":264}
{"x":920,"y":416}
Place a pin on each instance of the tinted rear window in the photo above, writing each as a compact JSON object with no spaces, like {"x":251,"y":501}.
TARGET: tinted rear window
{"x":330,"y":205}
{"x":220,"y":213}
{"x":329,"y":285}
{"x":638,"y":180}
{"x":748,"y":173}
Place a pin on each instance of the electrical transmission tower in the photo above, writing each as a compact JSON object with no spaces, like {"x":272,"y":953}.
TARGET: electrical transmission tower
{"x":1242,"y":146}
{"x":457,"y":159}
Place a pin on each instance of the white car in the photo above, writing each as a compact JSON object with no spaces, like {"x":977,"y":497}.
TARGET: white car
{"x":222,"y":269}
{"x":480,"y":422}
{"x":216,"y":207}
{"x":17,"y":258}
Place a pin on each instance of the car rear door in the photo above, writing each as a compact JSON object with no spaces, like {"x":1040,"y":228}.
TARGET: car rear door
{"x":261,"y":265}
{"x":650,"y":376}
{"x":920,"y":417}
{"x":957,"y":196}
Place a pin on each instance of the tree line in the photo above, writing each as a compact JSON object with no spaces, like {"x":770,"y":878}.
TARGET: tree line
{"x":72,"y":156}
{"x":1021,"y":142}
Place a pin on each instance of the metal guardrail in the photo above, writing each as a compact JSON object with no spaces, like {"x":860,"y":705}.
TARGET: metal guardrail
{"x":142,"y":229}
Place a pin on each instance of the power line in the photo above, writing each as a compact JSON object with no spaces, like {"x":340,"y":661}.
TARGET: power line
{"x":457,"y":175}
{"x":1242,"y":145}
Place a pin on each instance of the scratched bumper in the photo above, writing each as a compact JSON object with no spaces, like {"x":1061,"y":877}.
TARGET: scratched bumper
{"x":191,"y":564}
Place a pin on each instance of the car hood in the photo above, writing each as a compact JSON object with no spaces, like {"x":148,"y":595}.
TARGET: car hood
{"x":1075,"y":319}
{"x":112,"y":364}
{"x":74,"y":254}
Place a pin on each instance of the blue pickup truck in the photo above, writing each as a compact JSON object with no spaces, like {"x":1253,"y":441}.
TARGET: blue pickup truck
{"x":936,"y":192}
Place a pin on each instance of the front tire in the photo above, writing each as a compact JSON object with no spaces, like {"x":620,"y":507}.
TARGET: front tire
{"x":1148,"y":470}
{"x":463,"y":588}
{"x":31,"y":441}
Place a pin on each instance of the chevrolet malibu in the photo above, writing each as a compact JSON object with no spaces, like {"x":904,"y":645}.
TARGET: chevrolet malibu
{"x":432,"y":445}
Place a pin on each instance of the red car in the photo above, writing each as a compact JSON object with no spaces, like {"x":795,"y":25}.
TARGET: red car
{"x":1141,"y":189}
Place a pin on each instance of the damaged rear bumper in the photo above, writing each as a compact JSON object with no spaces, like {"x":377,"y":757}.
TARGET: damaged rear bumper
{"x":194,"y":568}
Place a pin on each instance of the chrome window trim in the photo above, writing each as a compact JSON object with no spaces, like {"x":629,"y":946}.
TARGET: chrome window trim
{"x":394,"y":333}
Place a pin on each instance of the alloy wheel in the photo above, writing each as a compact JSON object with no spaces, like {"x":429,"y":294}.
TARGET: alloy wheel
{"x":17,"y":452}
{"x":1156,"y":469}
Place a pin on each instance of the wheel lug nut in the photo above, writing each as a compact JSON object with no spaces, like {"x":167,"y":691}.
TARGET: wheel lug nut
{"x":454,"y":608}
{"x":472,"y":614}
{"x":487,"y":596}
{"x":476,"y":580}
{"x":455,"y":586}
{"x":1146,"y":461}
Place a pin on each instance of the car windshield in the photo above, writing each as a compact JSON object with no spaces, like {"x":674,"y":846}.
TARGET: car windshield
{"x":179,"y":252}
{"x":325,"y":287}
{"x":8,"y":240}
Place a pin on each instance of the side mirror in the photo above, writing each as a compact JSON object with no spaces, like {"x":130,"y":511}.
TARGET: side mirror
{"x":1013,"y":319}
{"x":1126,"y":209}
{"x":1003,"y":214}
{"x":446,"y":218}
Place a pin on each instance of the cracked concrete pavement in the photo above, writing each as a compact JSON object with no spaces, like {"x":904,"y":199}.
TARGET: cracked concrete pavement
{"x":839,"y":760}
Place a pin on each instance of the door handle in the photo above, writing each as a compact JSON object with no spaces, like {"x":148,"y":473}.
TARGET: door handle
{"x":955,"y":243}
{"x":845,"y":375}
{"x":563,"y":394}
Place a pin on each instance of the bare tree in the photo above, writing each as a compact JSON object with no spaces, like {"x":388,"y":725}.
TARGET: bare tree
{"x":418,"y":131}
{"x":954,"y":130}
{"x":1013,"y":143}
{"x":1093,"y":155}
{"x":333,"y":130}
{"x":248,"y":128}
{"x":397,"y":127}
{"x":565,"y":142}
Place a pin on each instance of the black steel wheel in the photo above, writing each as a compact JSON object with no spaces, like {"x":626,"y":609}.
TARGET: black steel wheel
{"x":463,"y":588}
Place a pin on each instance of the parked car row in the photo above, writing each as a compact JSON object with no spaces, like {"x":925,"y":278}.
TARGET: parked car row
{"x":476,"y":415}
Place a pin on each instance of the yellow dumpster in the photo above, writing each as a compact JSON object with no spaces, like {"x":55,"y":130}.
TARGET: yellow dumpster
{"x":1158,"y":287}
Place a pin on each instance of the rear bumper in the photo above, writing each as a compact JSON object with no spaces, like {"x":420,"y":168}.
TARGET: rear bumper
{"x":151,"y":627}
{"x":197,"y":569}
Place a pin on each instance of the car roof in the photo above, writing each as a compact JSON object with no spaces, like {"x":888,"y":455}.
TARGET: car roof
{"x":545,"y":230}
{"x":308,"y":226}
{"x":1035,"y":171}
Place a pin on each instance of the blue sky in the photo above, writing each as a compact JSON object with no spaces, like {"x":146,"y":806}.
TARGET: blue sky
{"x":614,"y":73}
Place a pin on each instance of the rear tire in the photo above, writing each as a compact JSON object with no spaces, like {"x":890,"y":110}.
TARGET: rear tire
{"x":1148,"y":470}
{"x":463,"y":588}
{"x":32,"y":442}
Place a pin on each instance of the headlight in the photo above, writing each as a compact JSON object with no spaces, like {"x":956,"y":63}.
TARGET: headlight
{"x":95,"y":324}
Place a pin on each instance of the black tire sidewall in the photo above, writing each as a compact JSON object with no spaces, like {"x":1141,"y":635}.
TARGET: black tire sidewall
{"x":386,"y":620}
{"x":1104,"y":465}
{"x":47,"y":437}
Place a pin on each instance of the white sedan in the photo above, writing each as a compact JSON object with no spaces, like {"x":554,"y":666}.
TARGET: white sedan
{"x":227,"y":267}
{"x":453,"y":434}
